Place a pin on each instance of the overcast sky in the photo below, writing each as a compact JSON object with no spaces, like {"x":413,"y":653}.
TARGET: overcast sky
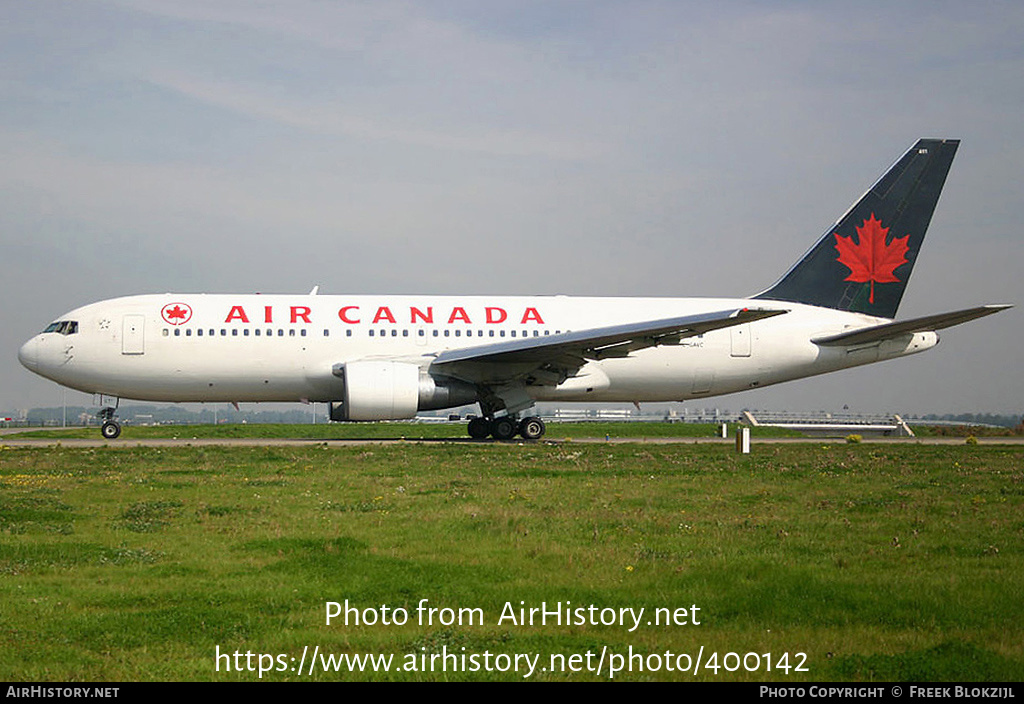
{"x":508,"y":147}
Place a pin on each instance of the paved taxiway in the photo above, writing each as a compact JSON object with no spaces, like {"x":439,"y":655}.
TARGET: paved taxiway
{"x":551,"y":438}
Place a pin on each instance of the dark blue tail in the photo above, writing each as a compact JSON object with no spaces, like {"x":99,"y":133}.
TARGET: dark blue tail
{"x":863,"y":262}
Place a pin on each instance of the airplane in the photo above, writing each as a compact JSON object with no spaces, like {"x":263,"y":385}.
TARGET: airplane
{"x":380,"y":357}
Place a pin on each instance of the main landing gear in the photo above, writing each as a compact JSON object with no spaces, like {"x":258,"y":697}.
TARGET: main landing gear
{"x":110,"y":428}
{"x":506,"y":428}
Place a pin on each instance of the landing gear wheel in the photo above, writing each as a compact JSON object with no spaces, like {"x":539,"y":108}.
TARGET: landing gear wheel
{"x":479,"y":428}
{"x":532,"y":428}
{"x":111,"y":429}
{"x":504,"y":428}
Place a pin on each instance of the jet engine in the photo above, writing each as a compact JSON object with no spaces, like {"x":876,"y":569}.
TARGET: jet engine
{"x":382,"y":390}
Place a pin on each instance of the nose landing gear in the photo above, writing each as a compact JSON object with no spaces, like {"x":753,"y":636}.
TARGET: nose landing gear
{"x":110,"y":429}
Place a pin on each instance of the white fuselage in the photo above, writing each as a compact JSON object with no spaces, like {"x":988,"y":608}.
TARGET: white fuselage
{"x":205,"y":347}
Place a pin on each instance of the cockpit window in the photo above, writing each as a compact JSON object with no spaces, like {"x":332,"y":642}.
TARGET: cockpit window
{"x":64,"y":327}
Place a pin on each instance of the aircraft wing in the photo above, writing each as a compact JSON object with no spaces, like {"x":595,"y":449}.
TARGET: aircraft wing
{"x":553,"y":358}
{"x":887,"y":331}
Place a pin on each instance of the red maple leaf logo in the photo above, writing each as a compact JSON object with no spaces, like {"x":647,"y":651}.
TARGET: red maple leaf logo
{"x":870,"y":259}
{"x":176,"y":313}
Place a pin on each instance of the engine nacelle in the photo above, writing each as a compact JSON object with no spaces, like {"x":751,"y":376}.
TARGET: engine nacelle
{"x":393,"y":391}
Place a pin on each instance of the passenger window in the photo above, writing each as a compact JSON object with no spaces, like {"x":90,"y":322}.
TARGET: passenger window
{"x":245,"y":333}
{"x":188,"y":333}
{"x":234,"y":332}
{"x":166,"y":332}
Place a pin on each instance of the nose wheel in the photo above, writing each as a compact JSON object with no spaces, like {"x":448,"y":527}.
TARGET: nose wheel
{"x":110,"y":429}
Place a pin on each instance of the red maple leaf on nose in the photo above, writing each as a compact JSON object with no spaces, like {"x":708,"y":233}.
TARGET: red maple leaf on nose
{"x":175,"y":313}
{"x":870,"y":259}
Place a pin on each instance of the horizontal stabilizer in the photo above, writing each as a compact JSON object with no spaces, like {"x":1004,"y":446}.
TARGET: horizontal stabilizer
{"x":887,"y":331}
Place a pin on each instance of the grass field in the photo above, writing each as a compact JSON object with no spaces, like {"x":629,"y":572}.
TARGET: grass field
{"x":878,"y":562}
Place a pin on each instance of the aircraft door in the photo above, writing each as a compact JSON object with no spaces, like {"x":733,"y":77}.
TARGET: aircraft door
{"x":740,"y":340}
{"x":703,"y":379}
{"x":133,"y":334}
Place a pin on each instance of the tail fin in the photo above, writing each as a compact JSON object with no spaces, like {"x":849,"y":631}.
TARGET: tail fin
{"x":863,"y":262}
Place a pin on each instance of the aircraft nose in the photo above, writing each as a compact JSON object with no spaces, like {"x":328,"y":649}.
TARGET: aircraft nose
{"x":28,"y":355}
